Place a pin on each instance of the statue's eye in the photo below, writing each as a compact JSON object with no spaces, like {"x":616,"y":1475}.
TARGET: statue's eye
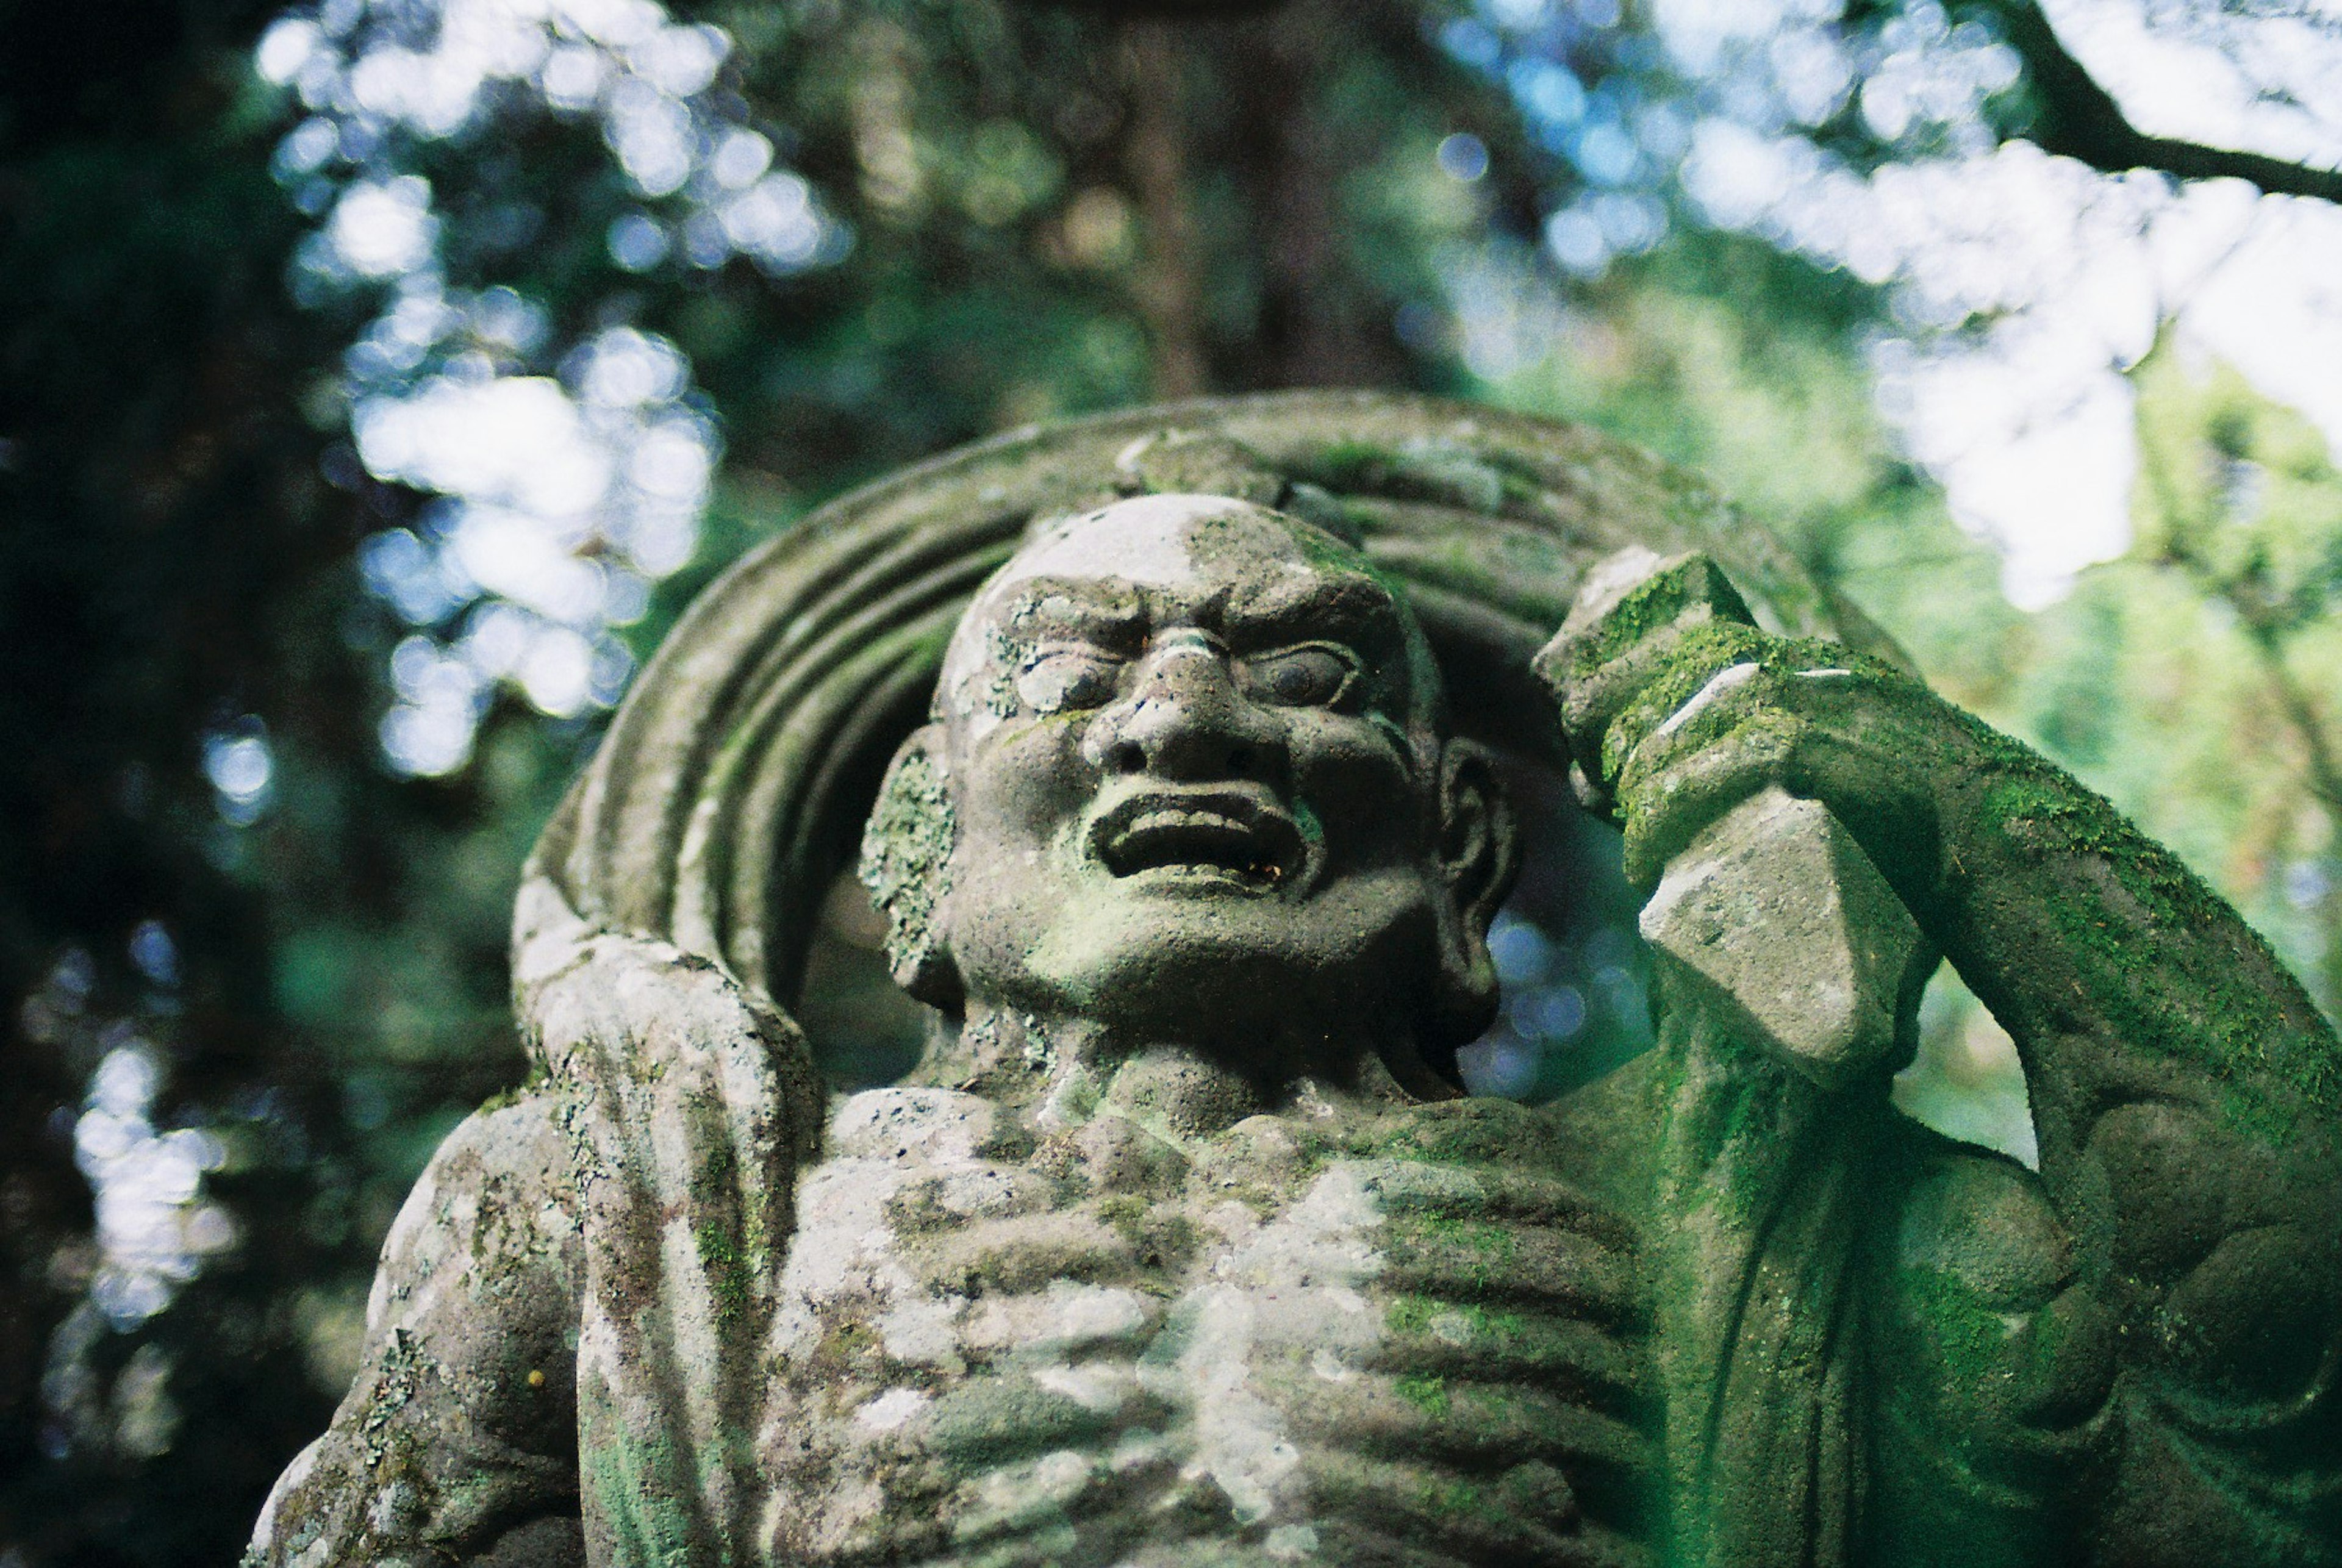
{"x":1060,"y":678}
{"x":1307,"y":677}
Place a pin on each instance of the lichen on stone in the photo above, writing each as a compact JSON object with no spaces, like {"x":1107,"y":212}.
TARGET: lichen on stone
{"x":907,"y":854}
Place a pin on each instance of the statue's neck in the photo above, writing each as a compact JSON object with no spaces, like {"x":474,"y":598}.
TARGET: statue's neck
{"x":1068,"y":1069}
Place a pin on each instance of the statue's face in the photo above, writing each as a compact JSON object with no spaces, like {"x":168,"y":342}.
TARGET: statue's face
{"x":1191,"y":748}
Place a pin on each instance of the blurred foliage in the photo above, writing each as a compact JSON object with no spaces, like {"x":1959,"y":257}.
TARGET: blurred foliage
{"x":2194,"y":682}
{"x":1053,"y":211}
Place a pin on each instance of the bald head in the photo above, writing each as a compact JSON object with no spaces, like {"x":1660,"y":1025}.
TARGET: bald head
{"x":1192,"y":753}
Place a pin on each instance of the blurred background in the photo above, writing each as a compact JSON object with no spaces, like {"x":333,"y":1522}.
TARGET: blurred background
{"x":379,"y":377}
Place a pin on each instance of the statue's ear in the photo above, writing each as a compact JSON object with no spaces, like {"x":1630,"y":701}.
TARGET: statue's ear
{"x":906,"y":850}
{"x":1478,"y":853}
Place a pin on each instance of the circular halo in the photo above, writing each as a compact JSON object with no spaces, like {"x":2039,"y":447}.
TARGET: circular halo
{"x":733,"y":784}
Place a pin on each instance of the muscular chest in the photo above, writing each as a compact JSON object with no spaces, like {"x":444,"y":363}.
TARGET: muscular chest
{"x":1401,"y":1341}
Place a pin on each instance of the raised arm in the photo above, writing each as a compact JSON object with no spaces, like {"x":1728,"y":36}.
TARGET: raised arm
{"x":2148,"y":1330}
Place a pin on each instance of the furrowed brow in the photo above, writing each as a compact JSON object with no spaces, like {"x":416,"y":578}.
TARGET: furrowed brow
{"x":1347,"y":608}
{"x":1109,"y":613}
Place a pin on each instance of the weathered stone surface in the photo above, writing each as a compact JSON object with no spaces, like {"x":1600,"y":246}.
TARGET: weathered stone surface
{"x":1179,"y":1247}
{"x":1013,"y":1341}
{"x":459,"y":1441}
{"x":1777,"y":907}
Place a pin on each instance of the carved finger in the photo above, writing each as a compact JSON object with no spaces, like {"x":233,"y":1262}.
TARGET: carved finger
{"x":1672,"y":796}
{"x":1861,"y":742}
{"x":1628,"y":631}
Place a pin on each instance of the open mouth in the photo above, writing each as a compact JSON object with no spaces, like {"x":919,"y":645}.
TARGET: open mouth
{"x":1217,"y":837}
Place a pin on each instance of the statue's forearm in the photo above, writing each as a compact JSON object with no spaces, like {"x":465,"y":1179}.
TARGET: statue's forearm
{"x":2184,"y":1091}
{"x":2122,"y":976}
{"x":2183,"y":1087}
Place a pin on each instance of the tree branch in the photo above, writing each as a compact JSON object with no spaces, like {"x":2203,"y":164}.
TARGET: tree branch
{"x":2079,"y":119}
{"x":2321,"y":766}
{"x":2324,"y":769}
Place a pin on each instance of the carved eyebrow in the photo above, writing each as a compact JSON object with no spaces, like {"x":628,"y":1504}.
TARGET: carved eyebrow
{"x":1107,"y":613}
{"x":1346,"y":607}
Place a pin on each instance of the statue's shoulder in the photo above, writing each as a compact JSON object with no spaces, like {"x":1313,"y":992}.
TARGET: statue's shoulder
{"x":460,"y":1429}
{"x":492,"y":1217}
{"x":1604,"y":1134}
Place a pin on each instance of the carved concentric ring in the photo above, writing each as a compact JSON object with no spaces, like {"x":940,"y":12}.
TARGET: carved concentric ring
{"x":733,"y":782}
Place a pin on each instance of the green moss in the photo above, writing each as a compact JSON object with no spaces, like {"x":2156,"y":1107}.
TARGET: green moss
{"x":1426,"y":469}
{"x":633,"y":1478}
{"x":1428,"y":1395}
{"x":2181,"y":997}
{"x":1704,"y":651}
{"x":1459,"y":1132}
{"x":1966,"y":1333}
{"x":730,"y":1279}
{"x":1413,"y":1315}
{"x":730,"y":1240}
{"x":1488,"y":1325}
{"x":1009,"y":1418}
{"x":1683,"y":593}
{"x":1454,"y":1499}
{"x":1497,"y":1241}
{"x":847,"y":1350}
{"x":404,"y":1368}
{"x":1480,"y":1254}
{"x":505,"y":1099}
{"x":1005,"y":657}
{"x":1158,"y":1237}
{"x":1350,"y":465}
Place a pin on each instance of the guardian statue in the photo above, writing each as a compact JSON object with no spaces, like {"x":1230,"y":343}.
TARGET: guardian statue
{"x":1171,"y":747}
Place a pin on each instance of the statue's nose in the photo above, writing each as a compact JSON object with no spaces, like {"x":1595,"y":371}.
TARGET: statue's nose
{"x":1184,"y":719}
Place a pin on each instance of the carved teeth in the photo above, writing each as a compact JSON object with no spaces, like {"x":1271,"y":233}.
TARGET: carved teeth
{"x":1245,"y":846}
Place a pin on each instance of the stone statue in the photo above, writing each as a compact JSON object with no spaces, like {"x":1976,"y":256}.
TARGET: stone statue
{"x":1182,"y":1245}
